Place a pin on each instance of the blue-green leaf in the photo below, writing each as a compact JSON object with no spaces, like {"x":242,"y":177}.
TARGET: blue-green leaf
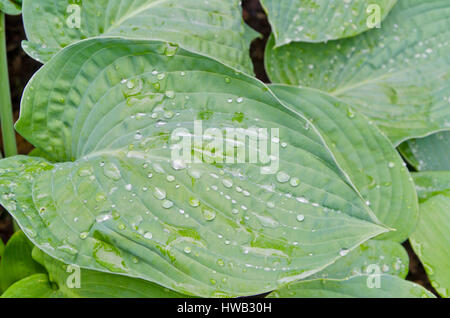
{"x":431,"y":183}
{"x":214,"y":28}
{"x":397,"y":75}
{"x":430,"y":240}
{"x":429,"y":153}
{"x":363,"y":286}
{"x":106,"y":110}
{"x":369,"y":161}
{"x":384,"y":257}
{"x":323,"y":20}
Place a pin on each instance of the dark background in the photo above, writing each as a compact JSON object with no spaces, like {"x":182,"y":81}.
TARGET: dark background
{"x":22,"y":68}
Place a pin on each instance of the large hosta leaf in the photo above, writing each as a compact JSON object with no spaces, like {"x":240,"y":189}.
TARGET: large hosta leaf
{"x":398,"y":75}
{"x":386,"y":257}
{"x":356,"y":287}
{"x":370,"y":162}
{"x":321,"y":20}
{"x":430,"y":240}
{"x":429,"y":153}
{"x":12,"y":7}
{"x":16,"y":262}
{"x":66,"y":281}
{"x":214,"y":27}
{"x":119,"y":203}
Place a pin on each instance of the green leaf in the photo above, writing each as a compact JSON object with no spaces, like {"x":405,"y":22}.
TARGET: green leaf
{"x":322,"y":20}
{"x":396,"y":75}
{"x":430,"y":240}
{"x":16,"y":261}
{"x":431,"y":183}
{"x":36,"y":152}
{"x":429,"y":153}
{"x":366,"y":156}
{"x":120,"y":203}
{"x":10,"y":7}
{"x":213,"y":28}
{"x":355,"y":287}
{"x":2,"y":248}
{"x":65,"y":281}
{"x":386,"y":257}
{"x":34,"y":286}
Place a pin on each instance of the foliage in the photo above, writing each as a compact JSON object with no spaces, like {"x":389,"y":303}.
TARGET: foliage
{"x":125,"y":82}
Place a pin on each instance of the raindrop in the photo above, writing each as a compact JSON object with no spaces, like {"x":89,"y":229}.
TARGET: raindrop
{"x":170,"y":94}
{"x":170,"y":50}
{"x":170,"y":178}
{"x":160,"y":194}
{"x":194,"y":202}
{"x":283,"y":177}
{"x":167,"y":204}
{"x":227,"y":183}
{"x":178,"y":164}
{"x":294,"y":181}
{"x":111,"y":171}
{"x":209,"y":215}
{"x":343,"y":251}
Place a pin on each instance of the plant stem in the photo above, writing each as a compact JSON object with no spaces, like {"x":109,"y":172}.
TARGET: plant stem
{"x":9,"y":137}
{"x":6,"y":116}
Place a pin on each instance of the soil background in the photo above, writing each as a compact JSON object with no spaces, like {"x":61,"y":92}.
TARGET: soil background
{"x":22,"y":68}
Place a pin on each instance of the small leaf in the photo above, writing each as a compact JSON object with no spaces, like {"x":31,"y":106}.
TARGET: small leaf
{"x":214,"y":28}
{"x":429,"y":153}
{"x":430,"y":240}
{"x":11,"y":7}
{"x":63,"y":282}
{"x":34,"y":286}
{"x":397,"y":75}
{"x":431,"y":183}
{"x":323,"y":20}
{"x":16,"y":262}
{"x":356,"y":287}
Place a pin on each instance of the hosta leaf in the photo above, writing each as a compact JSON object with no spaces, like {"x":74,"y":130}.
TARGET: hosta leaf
{"x":34,"y":286}
{"x":119,"y":203}
{"x":62,"y":281}
{"x":16,"y":262}
{"x":381,"y":256}
{"x":10,"y":7}
{"x":397,"y":75}
{"x":430,"y":240}
{"x":429,"y":153}
{"x":367,"y":157}
{"x":430,"y":183}
{"x":214,"y":28}
{"x":2,"y":248}
{"x":356,"y":287}
{"x":321,"y":20}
